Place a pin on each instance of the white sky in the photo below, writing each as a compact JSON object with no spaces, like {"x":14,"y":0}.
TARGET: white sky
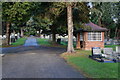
{"x":90,"y":4}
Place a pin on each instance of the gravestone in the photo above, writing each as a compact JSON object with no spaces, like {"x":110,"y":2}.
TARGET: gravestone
{"x":118,"y":49}
{"x":96,"y":54}
{"x":12,"y":36}
{"x":108,"y":43}
{"x":109,"y":53}
{"x":16,"y":36}
{"x":96,"y":51}
{"x":59,"y":40}
{"x":107,"y":50}
{"x":116,"y":42}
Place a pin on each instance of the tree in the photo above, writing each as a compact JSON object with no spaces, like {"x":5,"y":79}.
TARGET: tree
{"x":107,"y":14}
{"x":1,"y":18}
{"x":79,"y":17}
{"x":15,"y":12}
{"x":70,"y":48}
{"x":61,"y":14}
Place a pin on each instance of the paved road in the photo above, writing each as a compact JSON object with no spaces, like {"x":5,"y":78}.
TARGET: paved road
{"x":37,"y":62}
{"x":31,"y":41}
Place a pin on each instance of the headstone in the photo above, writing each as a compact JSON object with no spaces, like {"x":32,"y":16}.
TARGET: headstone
{"x":16,"y":36}
{"x":118,"y":49}
{"x":108,"y":43}
{"x":107,"y":50}
{"x":12,"y":37}
{"x":96,"y":51}
{"x":4,"y":36}
{"x":116,"y":42}
{"x":59,"y":40}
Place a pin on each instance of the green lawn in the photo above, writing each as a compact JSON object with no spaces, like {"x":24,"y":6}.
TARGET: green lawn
{"x":43,"y":41}
{"x":111,"y":46}
{"x":89,"y":67}
{"x":66,"y":43}
{"x":47,"y":42}
{"x":19,"y":42}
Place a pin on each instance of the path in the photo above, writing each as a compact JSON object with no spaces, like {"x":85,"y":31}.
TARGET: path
{"x":37,"y":62}
{"x":31,"y":41}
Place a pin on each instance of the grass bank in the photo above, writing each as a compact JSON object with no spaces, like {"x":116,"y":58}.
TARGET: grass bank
{"x":111,"y":46}
{"x":43,"y":41}
{"x":19,"y":42}
{"x":89,"y":67}
{"x":47,"y":42}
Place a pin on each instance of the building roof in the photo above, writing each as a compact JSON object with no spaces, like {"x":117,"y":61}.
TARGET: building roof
{"x":91,"y":27}
{"x":95,"y":27}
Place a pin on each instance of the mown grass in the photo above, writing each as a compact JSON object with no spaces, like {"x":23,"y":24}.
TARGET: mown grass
{"x":89,"y":67}
{"x":47,"y":42}
{"x":19,"y":42}
{"x":111,"y":46}
{"x":43,"y":41}
{"x":66,"y":43}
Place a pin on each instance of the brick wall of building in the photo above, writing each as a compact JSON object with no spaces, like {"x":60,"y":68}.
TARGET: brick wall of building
{"x":89,"y":44}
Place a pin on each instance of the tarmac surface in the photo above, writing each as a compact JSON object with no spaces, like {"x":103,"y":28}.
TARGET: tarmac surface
{"x":34,"y":61}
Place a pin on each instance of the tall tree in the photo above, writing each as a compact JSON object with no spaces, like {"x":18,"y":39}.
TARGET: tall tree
{"x":70,"y":48}
{"x":107,"y":17}
{"x":61,"y":14}
{"x":15,"y":12}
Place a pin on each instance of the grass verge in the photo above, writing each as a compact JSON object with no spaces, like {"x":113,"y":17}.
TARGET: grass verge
{"x":47,"y":42}
{"x":111,"y":46}
{"x":89,"y":67}
{"x":19,"y":42}
{"x":43,"y":41}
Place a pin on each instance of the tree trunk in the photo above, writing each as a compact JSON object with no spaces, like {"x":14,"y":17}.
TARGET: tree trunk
{"x":99,"y":21}
{"x":78,"y":41}
{"x":40,"y":33}
{"x":118,"y":34}
{"x":8,"y":33}
{"x":21,"y":32}
{"x":70,"y":48}
{"x":108,"y":37}
{"x":115,"y":36}
{"x":53,"y":37}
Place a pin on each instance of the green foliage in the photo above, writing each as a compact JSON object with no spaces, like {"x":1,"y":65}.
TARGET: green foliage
{"x":43,"y":23}
{"x":82,"y":26}
{"x":108,"y":13}
{"x":16,"y":11}
{"x":30,"y":31}
{"x":80,"y":13}
{"x":53,"y":16}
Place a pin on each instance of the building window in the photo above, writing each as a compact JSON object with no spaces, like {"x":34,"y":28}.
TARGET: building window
{"x":94,"y":36}
{"x":81,"y":36}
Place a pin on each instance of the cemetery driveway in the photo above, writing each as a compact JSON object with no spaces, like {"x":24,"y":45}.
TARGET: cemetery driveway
{"x":31,"y":41}
{"x":36,"y":62}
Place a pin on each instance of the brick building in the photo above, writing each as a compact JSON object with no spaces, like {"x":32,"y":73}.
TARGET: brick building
{"x":91,"y":37}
